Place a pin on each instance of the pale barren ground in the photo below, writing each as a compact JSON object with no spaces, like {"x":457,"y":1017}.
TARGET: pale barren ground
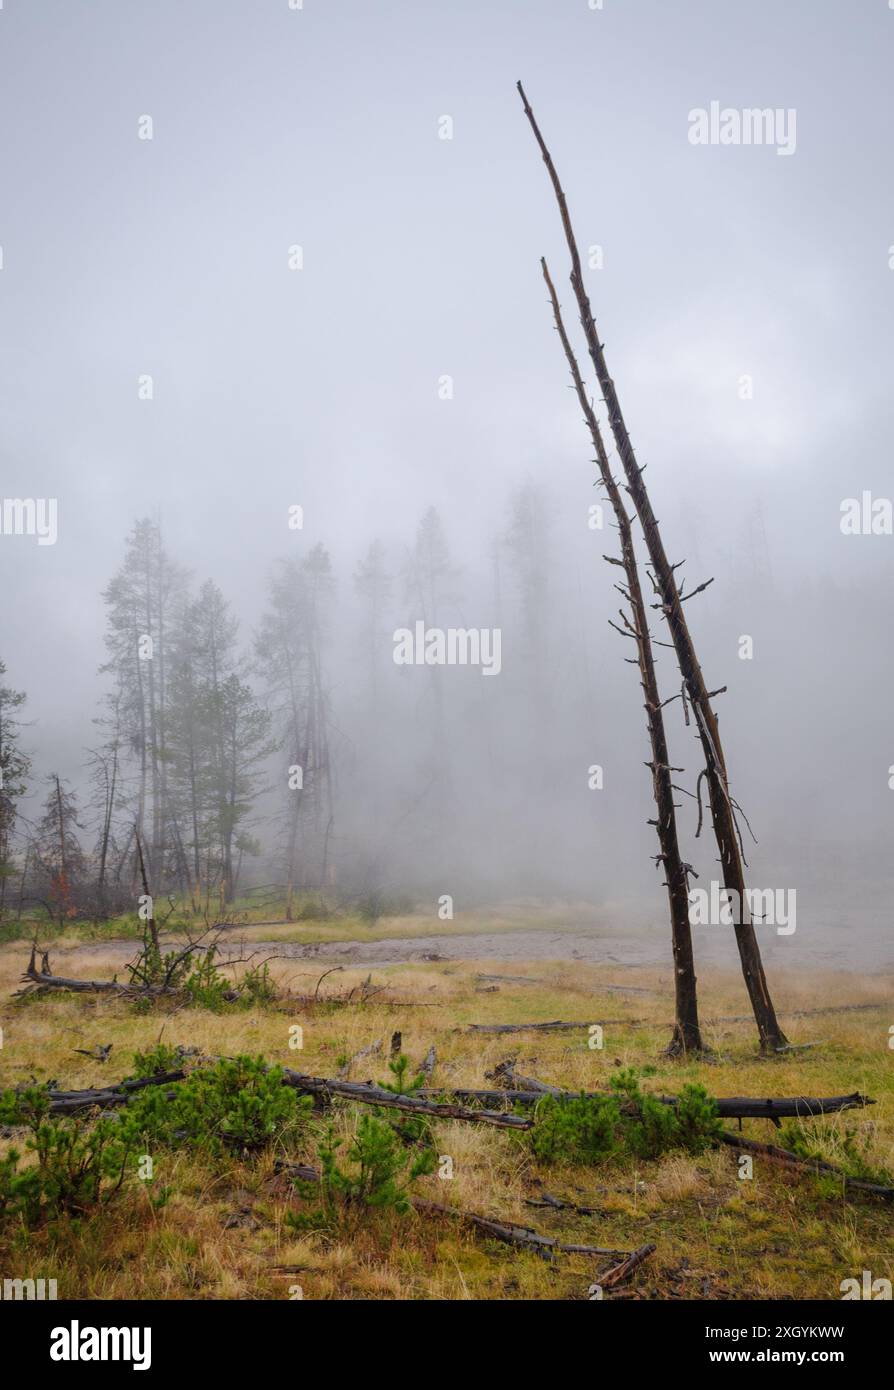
{"x":776,"y":1235}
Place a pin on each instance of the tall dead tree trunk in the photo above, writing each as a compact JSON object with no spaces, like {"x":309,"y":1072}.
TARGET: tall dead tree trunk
{"x":722,"y":810}
{"x":687,"y":1036}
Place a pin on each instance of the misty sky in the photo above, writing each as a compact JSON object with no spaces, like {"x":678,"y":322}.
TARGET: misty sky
{"x":320,"y":127}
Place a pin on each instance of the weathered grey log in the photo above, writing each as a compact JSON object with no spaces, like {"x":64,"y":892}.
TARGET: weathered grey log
{"x":510,"y":1233}
{"x":555,"y":1026}
{"x":513,"y":979}
{"x":46,"y":980}
{"x":506,"y":1076}
{"x":550,"y":1203}
{"x":70,"y":1102}
{"x":366,"y":1094}
{"x":426,"y":1101}
{"x":728,"y":1107}
{"x":412,"y":1105}
{"x":817,"y":1166}
{"x":559,"y":1025}
{"x":505,"y":1231}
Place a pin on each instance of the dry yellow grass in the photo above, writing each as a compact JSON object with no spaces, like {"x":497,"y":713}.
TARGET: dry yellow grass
{"x":223,"y":1233}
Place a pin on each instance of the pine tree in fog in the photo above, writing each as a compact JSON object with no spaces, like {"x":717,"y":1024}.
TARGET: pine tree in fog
{"x":15,"y":765}
{"x":142,"y":604}
{"x":58,"y":853}
{"x":289,"y":650}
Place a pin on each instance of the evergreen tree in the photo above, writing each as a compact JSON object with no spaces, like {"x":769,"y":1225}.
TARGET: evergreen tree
{"x":289,"y":652}
{"x":60,"y":857}
{"x":15,"y":766}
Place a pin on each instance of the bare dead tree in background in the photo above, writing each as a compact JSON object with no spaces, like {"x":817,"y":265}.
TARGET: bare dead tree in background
{"x":723,"y":813}
{"x":687,"y":1035}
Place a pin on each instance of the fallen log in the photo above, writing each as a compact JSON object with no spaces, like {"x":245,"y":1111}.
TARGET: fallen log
{"x":509,"y":1233}
{"x":505,"y":1231}
{"x":559,"y":1025}
{"x":556,"y":1025}
{"x":70,"y":1102}
{"x":513,"y":979}
{"x":728,"y":1107}
{"x":817,"y":1166}
{"x":412,"y":1105}
{"x":45,"y":979}
{"x":506,"y":1076}
{"x":429,"y":1100}
{"x":550,"y":1203}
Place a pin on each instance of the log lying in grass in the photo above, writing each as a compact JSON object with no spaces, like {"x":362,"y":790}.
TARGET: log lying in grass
{"x":509,"y":1232}
{"x":550,"y":1203}
{"x":498,"y":1230}
{"x":428,"y":1102}
{"x":506,"y":1076}
{"x":562,"y":1025}
{"x":555,"y":1026}
{"x":728,"y":1107}
{"x":513,"y":979}
{"x":71,"y":1102}
{"x":817,"y":1166}
{"x":412,"y":1105}
{"x":45,"y":979}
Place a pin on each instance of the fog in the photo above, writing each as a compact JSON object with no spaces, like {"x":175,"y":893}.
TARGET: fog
{"x":324,"y":387}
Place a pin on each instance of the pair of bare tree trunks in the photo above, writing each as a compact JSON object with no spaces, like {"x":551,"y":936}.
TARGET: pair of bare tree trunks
{"x":687,"y":1036}
{"x":670,"y":603}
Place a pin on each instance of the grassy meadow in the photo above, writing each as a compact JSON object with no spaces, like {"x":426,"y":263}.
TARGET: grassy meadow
{"x":225,"y":1232}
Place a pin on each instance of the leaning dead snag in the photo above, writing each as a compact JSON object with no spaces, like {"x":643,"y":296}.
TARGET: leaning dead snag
{"x":726,"y":829}
{"x":687,"y":1036}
